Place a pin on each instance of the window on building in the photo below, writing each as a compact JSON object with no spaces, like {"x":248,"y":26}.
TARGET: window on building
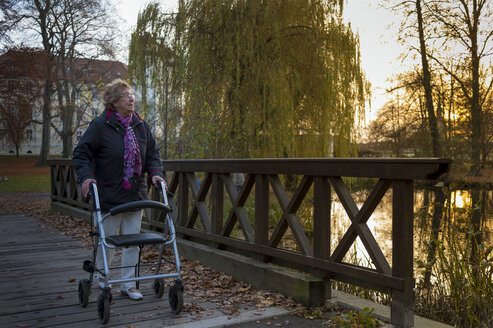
{"x":29,"y":135}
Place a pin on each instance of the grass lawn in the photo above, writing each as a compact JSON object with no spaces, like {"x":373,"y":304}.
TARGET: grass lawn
{"x":23,"y":175}
{"x":26,"y":183}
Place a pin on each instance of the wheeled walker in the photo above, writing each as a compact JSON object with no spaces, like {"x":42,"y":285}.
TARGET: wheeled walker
{"x":101,"y":242}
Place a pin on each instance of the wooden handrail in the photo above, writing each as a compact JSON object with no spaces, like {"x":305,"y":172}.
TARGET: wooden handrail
{"x":201,"y":215}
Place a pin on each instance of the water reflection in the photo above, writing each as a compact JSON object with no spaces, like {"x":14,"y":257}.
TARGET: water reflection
{"x":461,"y":198}
{"x":436,"y":213}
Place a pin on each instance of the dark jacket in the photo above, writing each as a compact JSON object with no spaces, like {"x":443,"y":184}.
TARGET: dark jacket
{"x":99,"y":155}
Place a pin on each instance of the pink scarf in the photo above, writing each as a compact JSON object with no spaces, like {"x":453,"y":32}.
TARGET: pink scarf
{"x":131,"y":158}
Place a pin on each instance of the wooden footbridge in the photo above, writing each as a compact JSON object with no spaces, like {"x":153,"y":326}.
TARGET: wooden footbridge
{"x":39,"y":276}
{"x":213,"y":215}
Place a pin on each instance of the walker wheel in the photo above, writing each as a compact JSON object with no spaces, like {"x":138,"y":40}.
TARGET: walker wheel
{"x":104,"y":307}
{"x":175,"y":297}
{"x":84,"y":291}
{"x":158,"y":287}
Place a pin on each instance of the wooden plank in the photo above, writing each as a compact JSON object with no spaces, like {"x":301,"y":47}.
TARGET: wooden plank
{"x":217,"y":204}
{"x":67,"y":209}
{"x":63,"y":181}
{"x":261,"y":210}
{"x":40,"y":281}
{"x":53,"y":170}
{"x":321,"y":218}
{"x":372,"y":277}
{"x":360,"y":228}
{"x":199,"y":195}
{"x":182,"y":199}
{"x":402,"y":307}
{"x":238,"y":212}
{"x":291,"y":218}
{"x":294,"y":204}
{"x":363,"y":215}
{"x":173,"y":185}
{"x":67,"y":312}
{"x":387,"y":168}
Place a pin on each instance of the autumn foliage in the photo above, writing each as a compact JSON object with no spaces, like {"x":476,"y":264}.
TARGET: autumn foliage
{"x":19,"y":91}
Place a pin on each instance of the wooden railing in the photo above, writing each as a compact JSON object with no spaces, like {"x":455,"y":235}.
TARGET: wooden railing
{"x":202,"y":217}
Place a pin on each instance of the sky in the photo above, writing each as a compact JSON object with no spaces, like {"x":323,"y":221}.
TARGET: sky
{"x":378,"y":45}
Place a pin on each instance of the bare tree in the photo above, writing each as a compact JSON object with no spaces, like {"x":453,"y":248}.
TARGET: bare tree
{"x":414,"y":25}
{"x":454,"y":35}
{"x":9,"y":21}
{"x":467,"y":24}
{"x":426,"y":81}
{"x":67,"y":30}
{"x":394,"y":127}
{"x":81,"y":29}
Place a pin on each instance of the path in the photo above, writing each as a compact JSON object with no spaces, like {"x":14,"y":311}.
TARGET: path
{"x":40,"y":272}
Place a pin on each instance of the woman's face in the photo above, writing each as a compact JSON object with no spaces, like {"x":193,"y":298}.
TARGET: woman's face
{"x":125,"y":104}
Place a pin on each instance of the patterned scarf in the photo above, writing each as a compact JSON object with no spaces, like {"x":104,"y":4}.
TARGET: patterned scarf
{"x":131,"y":158}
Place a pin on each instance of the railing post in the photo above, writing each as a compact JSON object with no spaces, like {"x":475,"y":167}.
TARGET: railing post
{"x":402,"y":308}
{"x":217,"y":204}
{"x":261,"y":209}
{"x":182,"y":199}
{"x":322,"y":199}
{"x":321,"y":218}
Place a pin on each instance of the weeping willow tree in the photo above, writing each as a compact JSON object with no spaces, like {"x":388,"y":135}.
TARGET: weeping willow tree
{"x":259,"y":78}
{"x":154,"y":62}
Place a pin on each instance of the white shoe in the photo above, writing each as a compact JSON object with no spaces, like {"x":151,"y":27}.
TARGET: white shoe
{"x":132,"y":295}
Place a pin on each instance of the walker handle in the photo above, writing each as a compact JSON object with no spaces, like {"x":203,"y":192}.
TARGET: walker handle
{"x":139,"y":205}
{"x":93,"y":193}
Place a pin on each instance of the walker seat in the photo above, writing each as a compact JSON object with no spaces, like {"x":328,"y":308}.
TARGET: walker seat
{"x":138,"y":239}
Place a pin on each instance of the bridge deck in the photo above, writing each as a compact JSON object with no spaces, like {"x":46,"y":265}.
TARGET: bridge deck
{"x":39,"y":278}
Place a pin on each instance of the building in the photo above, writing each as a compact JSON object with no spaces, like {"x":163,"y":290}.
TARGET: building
{"x":28,"y":64}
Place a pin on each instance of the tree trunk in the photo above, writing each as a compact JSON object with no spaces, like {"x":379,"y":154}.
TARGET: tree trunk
{"x":67,"y":146}
{"x":432,"y":120}
{"x":472,"y":20}
{"x":475,"y":109}
{"x":47,"y":46}
{"x":68,"y":135}
{"x":46,"y":129}
{"x":166,"y":113}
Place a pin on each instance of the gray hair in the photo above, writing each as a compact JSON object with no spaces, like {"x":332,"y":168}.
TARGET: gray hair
{"x":113,"y":91}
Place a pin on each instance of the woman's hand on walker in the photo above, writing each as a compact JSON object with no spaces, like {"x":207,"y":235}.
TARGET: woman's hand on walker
{"x":85,"y":186}
{"x":157,"y":178}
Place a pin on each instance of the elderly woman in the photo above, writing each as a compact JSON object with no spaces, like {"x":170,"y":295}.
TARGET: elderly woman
{"x":116,"y":152}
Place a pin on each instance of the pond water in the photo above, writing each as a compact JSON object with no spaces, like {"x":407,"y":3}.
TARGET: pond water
{"x":439,"y":213}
